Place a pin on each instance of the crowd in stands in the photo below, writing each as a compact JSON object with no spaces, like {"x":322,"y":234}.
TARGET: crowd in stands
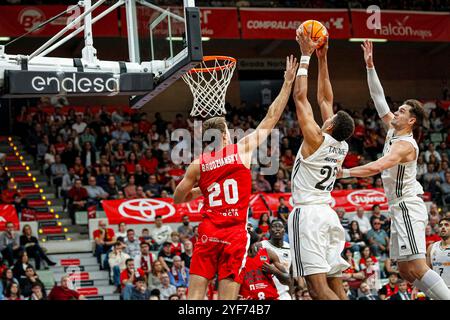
{"x":417,"y":5}
{"x":106,"y":153}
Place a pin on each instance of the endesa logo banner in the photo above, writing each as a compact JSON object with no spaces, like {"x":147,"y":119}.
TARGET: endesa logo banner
{"x":274,"y":23}
{"x":402,"y":25}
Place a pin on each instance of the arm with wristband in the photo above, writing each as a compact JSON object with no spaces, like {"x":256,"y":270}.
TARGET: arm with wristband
{"x":375,"y":88}
{"x":311,"y":131}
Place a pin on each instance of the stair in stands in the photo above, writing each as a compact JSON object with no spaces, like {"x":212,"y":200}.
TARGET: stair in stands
{"x":85,"y":274}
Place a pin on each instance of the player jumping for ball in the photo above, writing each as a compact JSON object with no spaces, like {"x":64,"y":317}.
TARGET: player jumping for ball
{"x":438,"y":254}
{"x":316,"y":236}
{"x":224,"y":178}
{"x":398,"y":168}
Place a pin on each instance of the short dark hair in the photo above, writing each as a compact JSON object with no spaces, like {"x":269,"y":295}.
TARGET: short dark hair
{"x":444,"y":219}
{"x":343,"y":126}
{"x":157,"y":217}
{"x":128,"y":260}
{"x":416,"y":111}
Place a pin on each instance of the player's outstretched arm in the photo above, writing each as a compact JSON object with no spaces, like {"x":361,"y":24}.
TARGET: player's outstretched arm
{"x":277,"y":269}
{"x":185,"y":190}
{"x":311,"y":131}
{"x":375,"y":88}
{"x":399,"y":151}
{"x":324,"y":88}
{"x":250,"y":142}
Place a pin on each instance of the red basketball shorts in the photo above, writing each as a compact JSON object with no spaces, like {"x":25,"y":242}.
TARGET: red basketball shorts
{"x":220,"y":250}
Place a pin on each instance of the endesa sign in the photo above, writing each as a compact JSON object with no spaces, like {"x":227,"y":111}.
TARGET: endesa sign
{"x":274,"y":23}
{"x":137,"y":211}
{"x":402,"y":25}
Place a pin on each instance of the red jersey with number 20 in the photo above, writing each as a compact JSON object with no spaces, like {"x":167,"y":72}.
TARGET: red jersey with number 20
{"x":256,"y":284}
{"x":226,"y":185}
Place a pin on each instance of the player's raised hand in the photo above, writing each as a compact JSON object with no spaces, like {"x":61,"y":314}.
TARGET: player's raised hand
{"x":322,"y":51}
{"x":291,"y":69}
{"x":368,"y":53}
{"x":307,"y":45}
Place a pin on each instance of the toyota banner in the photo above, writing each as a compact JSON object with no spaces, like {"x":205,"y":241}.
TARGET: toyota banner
{"x":144,"y":211}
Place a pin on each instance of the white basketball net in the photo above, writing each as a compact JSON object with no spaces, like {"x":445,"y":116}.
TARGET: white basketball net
{"x":208,"y":84}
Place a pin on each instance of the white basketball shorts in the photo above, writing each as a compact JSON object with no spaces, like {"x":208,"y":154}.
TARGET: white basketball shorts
{"x":409,"y":218}
{"x":316,"y":238}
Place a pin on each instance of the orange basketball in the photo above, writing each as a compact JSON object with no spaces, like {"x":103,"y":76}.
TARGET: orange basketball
{"x":318,"y":31}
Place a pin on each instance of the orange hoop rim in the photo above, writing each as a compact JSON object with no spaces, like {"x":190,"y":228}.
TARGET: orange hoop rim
{"x":231,"y":62}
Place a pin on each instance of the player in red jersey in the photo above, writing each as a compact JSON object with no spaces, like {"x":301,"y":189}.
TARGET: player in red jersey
{"x":224,"y":178}
{"x":257,"y":277}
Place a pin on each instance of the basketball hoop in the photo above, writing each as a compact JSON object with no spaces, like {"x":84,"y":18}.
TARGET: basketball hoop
{"x":209,"y":84}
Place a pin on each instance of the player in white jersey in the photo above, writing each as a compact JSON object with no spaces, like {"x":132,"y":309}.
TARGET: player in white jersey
{"x":316,"y":236}
{"x":398,"y":166}
{"x":282,"y":249}
{"x":438,"y":254}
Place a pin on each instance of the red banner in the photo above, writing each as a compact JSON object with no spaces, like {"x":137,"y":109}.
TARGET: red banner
{"x":216,"y":23}
{"x":137,"y":211}
{"x":402,"y":25}
{"x":17,"y":20}
{"x":273,"y":23}
{"x":8,"y":214}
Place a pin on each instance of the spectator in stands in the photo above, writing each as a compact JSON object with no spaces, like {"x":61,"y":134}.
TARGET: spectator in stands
{"x":62,"y":292}
{"x":389,"y":288}
{"x":344,"y":221}
{"x":356,"y":236}
{"x":132,"y":244}
{"x":430,"y":236}
{"x":153,"y":189}
{"x":131,"y":190}
{"x":117,"y":263}
{"x":148,"y":162}
{"x":432,"y":151}
{"x":372,"y":275}
{"x":160,"y":232}
{"x":68,"y":181}
{"x":376,"y":213}
{"x":262,"y":185}
{"x":185,"y":230}
{"x":122,"y":231}
{"x":264,"y":224}
{"x":445,"y":189}
{"x":352,"y":275}
{"x":166,"y":289}
{"x":366,"y":293}
{"x":58,"y":170}
{"x":130,"y":164}
{"x":102,"y":178}
{"x":181,"y":292}
{"x":145,"y":237}
{"x":31,"y":244}
{"x":10,"y":244}
{"x":378,"y":239}
{"x":348,"y":291}
{"x":145,"y":259}
{"x":165,"y":256}
{"x":121,"y":136}
{"x":283,"y":210}
{"x":363,"y":221}
{"x":186,"y":256}
{"x":12,"y":292}
{"x":194,"y":238}
{"x":37,"y":292}
{"x":176,"y":247}
{"x":111,"y":188}
{"x":78,"y":197}
{"x":13,"y":195}
{"x":155,"y":277}
{"x":366,"y":253}
{"x":79,"y":126}
{"x":140,"y":176}
{"x":128,"y":278}
{"x":179,"y":274}
{"x":20,"y":267}
{"x":140,"y":291}
{"x":104,"y":239}
{"x":7,"y":277}
{"x":88,"y":156}
{"x":95,"y":193}
{"x":402,"y":293}
{"x":32,"y":279}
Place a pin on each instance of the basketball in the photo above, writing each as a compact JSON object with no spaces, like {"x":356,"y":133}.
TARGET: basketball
{"x":318,"y":31}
